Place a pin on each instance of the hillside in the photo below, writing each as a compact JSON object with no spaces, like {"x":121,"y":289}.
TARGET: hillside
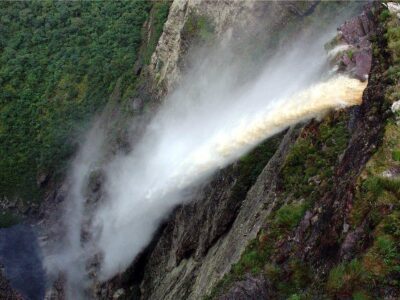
{"x":200,"y":149}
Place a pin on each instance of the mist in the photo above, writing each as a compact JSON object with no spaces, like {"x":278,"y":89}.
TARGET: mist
{"x":214,"y":116}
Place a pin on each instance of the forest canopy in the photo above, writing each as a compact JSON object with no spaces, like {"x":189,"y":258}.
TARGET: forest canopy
{"x":59,"y":62}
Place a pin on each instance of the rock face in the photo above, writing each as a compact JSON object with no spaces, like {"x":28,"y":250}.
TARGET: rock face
{"x":252,"y":288}
{"x":226,"y":20}
{"x":352,"y":47}
{"x":193,"y":276}
{"x":204,"y":238}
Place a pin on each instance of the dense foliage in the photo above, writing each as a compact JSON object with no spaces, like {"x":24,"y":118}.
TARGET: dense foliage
{"x":59,"y":62}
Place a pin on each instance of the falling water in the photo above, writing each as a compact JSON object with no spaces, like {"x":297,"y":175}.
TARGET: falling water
{"x":208,"y":122}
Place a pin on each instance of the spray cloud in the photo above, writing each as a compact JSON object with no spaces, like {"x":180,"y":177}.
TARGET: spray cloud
{"x":212,"y":118}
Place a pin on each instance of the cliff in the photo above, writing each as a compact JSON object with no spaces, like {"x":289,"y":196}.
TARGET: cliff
{"x":288,"y":229}
{"x":311,"y":213}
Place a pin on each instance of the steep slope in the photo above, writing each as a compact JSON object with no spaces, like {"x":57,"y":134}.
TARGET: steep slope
{"x":185,"y":263}
{"x":332,"y":232}
{"x":310,"y":213}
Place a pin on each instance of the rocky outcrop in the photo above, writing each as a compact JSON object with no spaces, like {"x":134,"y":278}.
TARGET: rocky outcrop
{"x":252,"y":288}
{"x":194,"y":276}
{"x":330,"y":211}
{"x":226,"y":20}
{"x":184,"y":264}
{"x":352,"y":50}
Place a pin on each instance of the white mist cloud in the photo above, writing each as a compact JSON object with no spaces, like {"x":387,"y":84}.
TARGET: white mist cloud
{"x":212,"y":118}
{"x":207,"y":123}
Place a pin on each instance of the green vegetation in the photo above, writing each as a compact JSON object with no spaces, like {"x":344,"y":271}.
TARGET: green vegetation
{"x":396,"y":155}
{"x":288,"y":216}
{"x":311,"y":161}
{"x":378,"y":267}
{"x":377,"y":201}
{"x":198,"y":29}
{"x":306,"y":175}
{"x":251,"y":165}
{"x":59,"y":64}
{"x":345,"y":277}
{"x":377,"y":188}
{"x":393,"y":37}
{"x":255,"y":258}
{"x":393,"y":46}
{"x":159,"y":16}
{"x":350,"y":54}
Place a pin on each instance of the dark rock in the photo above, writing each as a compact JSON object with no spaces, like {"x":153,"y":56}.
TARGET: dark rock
{"x":351,"y":242}
{"x":252,"y":288}
{"x":354,"y":37}
{"x":42,"y":179}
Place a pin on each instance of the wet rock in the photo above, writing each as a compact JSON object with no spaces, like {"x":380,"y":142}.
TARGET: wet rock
{"x":306,"y":9}
{"x":252,"y":288}
{"x":351,"y":50}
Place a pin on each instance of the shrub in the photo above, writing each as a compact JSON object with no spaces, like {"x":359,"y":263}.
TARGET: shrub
{"x":289,"y":215}
{"x":345,"y":277}
{"x":386,"y":248}
{"x":391,"y":224}
{"x":360,"y":295}
{"x":314,"y":155}
{"x":396,"y":155}
{"x":336,"y":278}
